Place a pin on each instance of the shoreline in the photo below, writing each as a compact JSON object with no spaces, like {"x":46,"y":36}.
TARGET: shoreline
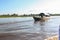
{"x":13,"y":16}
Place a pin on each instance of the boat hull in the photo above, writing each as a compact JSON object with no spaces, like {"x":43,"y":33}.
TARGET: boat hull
{"x":37,"y":18}
{"x":40,"y":19}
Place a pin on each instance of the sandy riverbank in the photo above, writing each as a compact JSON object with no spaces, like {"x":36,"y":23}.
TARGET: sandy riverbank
{"x":53,"y":38}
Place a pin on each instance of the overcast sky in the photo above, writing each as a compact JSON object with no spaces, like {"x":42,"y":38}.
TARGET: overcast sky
{"x":29,"y":6}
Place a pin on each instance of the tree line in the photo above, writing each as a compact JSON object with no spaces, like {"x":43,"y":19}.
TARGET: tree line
{"x":16,"y":15}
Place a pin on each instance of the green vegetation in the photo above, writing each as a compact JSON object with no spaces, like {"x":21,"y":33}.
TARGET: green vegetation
{"x":16,"y":15}
{"x":24,"y":15}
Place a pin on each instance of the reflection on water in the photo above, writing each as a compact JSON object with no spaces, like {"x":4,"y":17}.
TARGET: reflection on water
{"x":27,"y":29}
{"x":42,"y":30}
{"x":42,"y":33}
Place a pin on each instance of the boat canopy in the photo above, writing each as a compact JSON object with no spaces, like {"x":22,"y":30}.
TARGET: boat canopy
{"x":41,"y":14}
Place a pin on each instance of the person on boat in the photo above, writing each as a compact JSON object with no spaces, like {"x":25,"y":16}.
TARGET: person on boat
{"x":42,"y":15}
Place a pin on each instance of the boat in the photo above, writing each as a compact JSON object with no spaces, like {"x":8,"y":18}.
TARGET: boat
{"x":41,"y":17}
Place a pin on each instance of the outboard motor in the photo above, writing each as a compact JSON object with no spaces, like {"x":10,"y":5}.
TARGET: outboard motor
{"x":42,"y":14}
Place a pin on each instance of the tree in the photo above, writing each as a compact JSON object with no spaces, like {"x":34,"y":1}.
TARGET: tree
{"x":14,"y":14}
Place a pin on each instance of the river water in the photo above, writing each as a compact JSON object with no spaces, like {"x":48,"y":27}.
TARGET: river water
{"x":24,"y":28}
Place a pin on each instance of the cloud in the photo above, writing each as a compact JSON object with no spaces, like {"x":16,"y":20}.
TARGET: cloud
{"x":45,"y":6}
{"x":51,"y":6}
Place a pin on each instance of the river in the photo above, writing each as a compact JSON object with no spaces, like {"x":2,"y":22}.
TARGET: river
{"x":24,"y":28}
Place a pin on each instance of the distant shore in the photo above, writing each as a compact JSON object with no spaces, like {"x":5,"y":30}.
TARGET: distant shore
{"x":24,"y":15}
{"x":13,"y":16}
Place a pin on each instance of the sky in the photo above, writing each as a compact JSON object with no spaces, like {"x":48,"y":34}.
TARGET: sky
{"x":29,"y":6}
